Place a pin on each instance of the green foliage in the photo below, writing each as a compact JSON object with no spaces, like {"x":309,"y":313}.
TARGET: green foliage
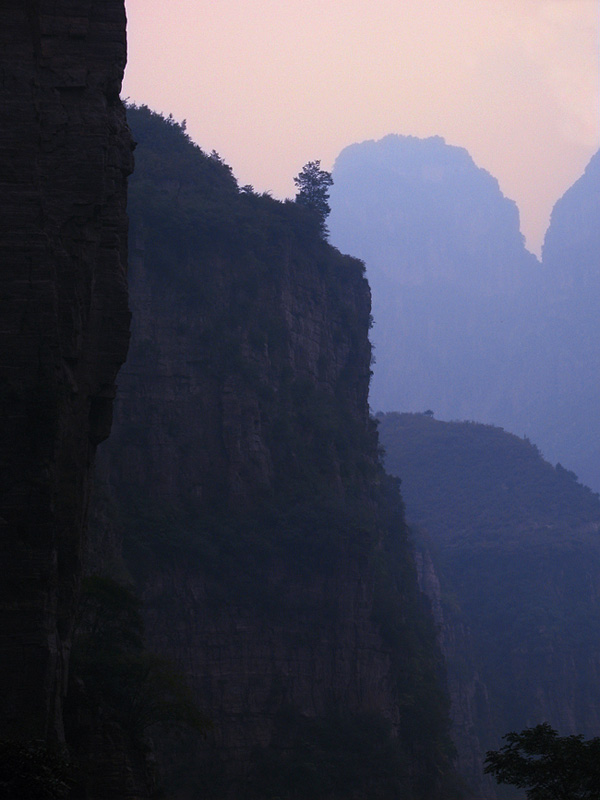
{"x":313,"y":185}
{"x":337,"y":755}
{"x":223,"y":256}
{"x":186,"y":200}
{"x":33,"y":771}
{"x":122,"y":680}
{"x":482,"y":482}
{"x":549,"y":766}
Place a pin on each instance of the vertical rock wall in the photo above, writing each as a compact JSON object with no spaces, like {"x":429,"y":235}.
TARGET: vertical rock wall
{"x":469,"y":701}
{"x":65,"y":153}
{"x":243,"y":474}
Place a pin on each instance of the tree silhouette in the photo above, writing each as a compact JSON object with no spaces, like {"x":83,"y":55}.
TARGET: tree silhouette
{"x":549,"y":766}
{"x":313,"y":191}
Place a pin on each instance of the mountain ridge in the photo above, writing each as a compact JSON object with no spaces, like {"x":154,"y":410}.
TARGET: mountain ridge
{"x":467,"y":321}
{"x":515,"y":545}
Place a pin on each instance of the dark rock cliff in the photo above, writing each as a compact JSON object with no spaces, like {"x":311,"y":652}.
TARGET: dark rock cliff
{"x":244,"y":478}
{"x":65,"y":153}
{"x":472,"y":722}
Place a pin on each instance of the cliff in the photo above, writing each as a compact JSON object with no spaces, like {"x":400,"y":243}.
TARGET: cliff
{"x":515,"y":550}
{"x":421,"y":213}
{"x":64,"y":159}
{"x":555,"y":387}
{"x":243,"y":476}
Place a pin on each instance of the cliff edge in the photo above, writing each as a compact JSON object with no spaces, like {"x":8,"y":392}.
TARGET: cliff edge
{"x":244,"y":479}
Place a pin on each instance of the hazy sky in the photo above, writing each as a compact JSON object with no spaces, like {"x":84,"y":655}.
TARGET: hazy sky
{"x":271,"y":84}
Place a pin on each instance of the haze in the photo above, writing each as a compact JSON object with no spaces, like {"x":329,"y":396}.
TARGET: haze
{"x":271,"y":84}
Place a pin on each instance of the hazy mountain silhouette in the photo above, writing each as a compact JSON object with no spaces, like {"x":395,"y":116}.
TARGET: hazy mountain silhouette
{"x":467,"y":321}
{"x":421,"y":213}
{"x":565,"y":408}
{"x":572,"y":243}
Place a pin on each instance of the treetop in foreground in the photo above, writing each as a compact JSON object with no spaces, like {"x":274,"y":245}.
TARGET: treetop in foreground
{"x":549,"y":766}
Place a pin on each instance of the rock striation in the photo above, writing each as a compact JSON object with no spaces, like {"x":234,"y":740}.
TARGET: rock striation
{"x":65,"y":154}
{"x":243,"y":475}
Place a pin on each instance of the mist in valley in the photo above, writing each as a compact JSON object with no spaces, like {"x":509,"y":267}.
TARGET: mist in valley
{"x":299,"y":495}
{"x":468,"y":322}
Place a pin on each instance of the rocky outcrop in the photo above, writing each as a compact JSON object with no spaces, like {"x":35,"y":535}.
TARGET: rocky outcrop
{"x":202,"y":374}
{"x":65,"y":153}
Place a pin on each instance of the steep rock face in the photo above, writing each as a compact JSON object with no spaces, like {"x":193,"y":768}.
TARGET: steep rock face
{"x":420,"y":212}
{"x":65,"y":155}
{"x":472,"y":722}
{"x":516,"y":552}
{"x":555,"y":389}
{"x":243,"y":473}
{"x":195,"y":358}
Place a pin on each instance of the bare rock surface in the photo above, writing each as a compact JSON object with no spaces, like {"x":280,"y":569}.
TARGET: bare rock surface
{"x":65,"y":153}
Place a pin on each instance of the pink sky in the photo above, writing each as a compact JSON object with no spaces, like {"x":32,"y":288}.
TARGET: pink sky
{"x":271,"y":84}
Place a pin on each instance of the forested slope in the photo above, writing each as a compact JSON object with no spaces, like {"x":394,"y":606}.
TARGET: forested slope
{"x":516,"y":544}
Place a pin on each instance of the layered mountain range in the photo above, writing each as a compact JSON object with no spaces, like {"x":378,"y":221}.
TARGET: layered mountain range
{"x":244,"y":615}
{"x":467,"y":322}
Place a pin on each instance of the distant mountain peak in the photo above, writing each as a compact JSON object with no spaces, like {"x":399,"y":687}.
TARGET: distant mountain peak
{"x":572,"y":242}
{"x":420,"y":211}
